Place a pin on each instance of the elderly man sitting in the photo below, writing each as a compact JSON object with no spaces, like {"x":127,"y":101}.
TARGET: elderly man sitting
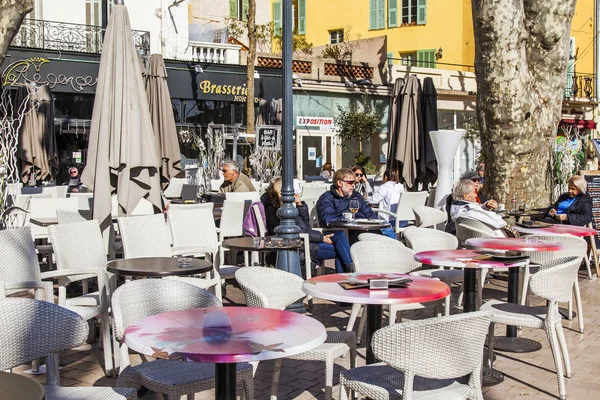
{"x":234,"y":180}
{"x":464,"y":204}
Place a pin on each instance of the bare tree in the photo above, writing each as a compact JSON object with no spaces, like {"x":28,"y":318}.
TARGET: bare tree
{"x":250,"y":65}
{"x":12,"y":13}
{"x":521,"y":49}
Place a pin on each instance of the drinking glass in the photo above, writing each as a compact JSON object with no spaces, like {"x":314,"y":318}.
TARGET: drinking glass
{"x":354,"y":205}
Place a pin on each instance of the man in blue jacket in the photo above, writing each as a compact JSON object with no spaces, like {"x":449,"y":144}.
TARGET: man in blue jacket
{"x":334,"y":203}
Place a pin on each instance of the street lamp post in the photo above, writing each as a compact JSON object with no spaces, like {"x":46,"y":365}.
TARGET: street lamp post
{"x":287,"y":260}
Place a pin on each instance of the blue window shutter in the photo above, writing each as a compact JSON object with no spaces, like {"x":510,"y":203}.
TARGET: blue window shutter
{"x":302,"y":17}
{"x":421,"y":12}
{"x":392,"y":13}
{"x":233,"y":9}
{"x":277,"y":16}
{"x":373,"y":14}
{"x":390,"y":56}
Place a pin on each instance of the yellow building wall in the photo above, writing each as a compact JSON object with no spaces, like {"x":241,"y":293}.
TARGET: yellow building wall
{"x":449,"y":26}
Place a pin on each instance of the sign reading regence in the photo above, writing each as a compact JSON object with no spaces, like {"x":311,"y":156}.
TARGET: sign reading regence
{"x":324,"y":123}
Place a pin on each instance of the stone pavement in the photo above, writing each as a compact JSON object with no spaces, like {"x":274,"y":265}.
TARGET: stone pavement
{"x":527,"y":375}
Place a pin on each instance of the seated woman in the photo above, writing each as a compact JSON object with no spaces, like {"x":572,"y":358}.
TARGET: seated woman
{"x":464,"y":204}
{"x":573,"y":207}
{"x":361,"y":184}
{"x":387,"y":195}
{"x":322,"y":247}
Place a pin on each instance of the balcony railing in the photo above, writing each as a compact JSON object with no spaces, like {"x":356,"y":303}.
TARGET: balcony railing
{"x":218,"y":53}
{"x":51,"y":35}
{"x":580,"y":86}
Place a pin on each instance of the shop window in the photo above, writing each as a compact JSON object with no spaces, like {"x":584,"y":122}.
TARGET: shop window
{"x":408,"y":59}
{"x":73,"y":106}
{"x":336,"y":36}
{"x":238,"y":9}
{"x":298,"y":19}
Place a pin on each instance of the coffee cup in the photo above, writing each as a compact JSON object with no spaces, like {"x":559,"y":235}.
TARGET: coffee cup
{"x":348,"y":216}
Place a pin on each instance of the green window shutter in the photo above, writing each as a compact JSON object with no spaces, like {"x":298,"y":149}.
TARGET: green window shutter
{"x":390,"y":56}
{"x":277,"y":15}
{"x":245,"y":7}
{"x":233,"y":9}
{"x":302,"y":17}
{"x":381,"y":14}
{"x":421,"y":12}
{"x":392,"y":13}
{"x":372,"y":14}
{"x":426,"y":58}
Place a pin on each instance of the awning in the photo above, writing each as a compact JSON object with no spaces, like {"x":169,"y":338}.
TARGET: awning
{"x":581,"y":123}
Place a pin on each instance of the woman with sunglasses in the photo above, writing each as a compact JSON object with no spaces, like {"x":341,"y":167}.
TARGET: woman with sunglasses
{"x":361,"y":184}
{"x":74,"y":180}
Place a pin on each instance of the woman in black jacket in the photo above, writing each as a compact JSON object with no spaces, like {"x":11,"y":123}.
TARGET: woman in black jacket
{"x":573,"y":207}
{"x":322,"y":247}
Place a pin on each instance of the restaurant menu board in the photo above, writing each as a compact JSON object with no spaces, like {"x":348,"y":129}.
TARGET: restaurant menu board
{"x":268,"y":136}
{"x":593,"y":187}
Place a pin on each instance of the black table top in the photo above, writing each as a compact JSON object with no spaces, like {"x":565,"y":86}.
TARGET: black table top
{"x":19,"y":387}
{"x":353,"y":226}
{"x":156,"y":266}
{"x":247,"y":244}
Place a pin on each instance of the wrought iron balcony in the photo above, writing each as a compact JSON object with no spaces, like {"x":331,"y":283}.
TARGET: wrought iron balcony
{"x":580,"y":86}
{"x":51,"y":35}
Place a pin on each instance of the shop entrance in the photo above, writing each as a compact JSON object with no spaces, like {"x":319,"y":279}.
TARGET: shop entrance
{"x":313,"y":149}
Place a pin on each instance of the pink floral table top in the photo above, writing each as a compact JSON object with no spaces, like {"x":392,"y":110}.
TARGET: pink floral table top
{"x":225,"y":334}
{"x":516,"y":244}
{"x":558,"y":229}
{"x":421,"y":289}
{"x":461,"y":259}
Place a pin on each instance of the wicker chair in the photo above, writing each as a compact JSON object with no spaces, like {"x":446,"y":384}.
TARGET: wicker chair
{"x":68,"y":216}
{"x":72,"y":258}
{"x":384,"y":257}
{"x":273,"y":288}
{"x":423,"y":239}
{"x":554,"y":283}
{"x":232,"y":221}
{"x":574,"y":247}
{"x":19,"y":269}
{"x":376,"y":237}
{"x":31,"y":329}
{"x":145,"y":236}
{"x":467,"y":228}
{"x":404,"y":209}
{"x":139,"y":299}
{"x":437,"y":358}
{"x":429,"y":217}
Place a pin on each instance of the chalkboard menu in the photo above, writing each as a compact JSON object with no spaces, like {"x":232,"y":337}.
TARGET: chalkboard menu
{"x":593,"y":188}
{"x":268,"y":136}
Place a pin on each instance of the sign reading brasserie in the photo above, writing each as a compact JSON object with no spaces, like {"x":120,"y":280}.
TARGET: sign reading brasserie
{"x":268,"y":136}
{"x":321,"y":122}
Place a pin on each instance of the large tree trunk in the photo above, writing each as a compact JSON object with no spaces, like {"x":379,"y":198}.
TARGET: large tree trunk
{"x":250,"y":63}
{"x":521,"y":52}
{"x":12,"y":13}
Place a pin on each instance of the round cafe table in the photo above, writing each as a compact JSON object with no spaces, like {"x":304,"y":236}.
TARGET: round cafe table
{"x":421,"y":290}
{"x":558,"y":229}
{"x":470,"y":261}
{"x":246,"y":243}
{"x":156,"y":266}
{"x":510,"y":342}
{"x":225,"y":336}
{"x":19,"y":387}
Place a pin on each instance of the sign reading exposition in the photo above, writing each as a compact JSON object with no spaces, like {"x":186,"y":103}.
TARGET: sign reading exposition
{"x":593,"y":188}
{"x":323,"y":123}
{"x":268,"y":136}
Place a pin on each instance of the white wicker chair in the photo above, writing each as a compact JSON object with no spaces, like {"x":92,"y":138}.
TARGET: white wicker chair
{"x":142,"y":298}
{"x":384,"y":257}
{"x":242,"y":196}
{"x":376,"y":237}
{"x":404,"y":210}
{"x":574,"y":247}
{"x":436,"y":358}
{"x":145,"y":236}
{"x":554,"y":283}
{"x":69,"y":216}
{"x":273,"y":288}
{"x":467,"y":228}
{"x":429,"y":217}
{"x":231,"y":225}
{"x":70,"y":257}
{"x":423,"y":239}
{"x":31,"y":329}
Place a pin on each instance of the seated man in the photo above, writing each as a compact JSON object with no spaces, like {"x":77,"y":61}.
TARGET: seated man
{"x":464,"y":204}
{"x":234,"y":180}
{"x":332,"y":204}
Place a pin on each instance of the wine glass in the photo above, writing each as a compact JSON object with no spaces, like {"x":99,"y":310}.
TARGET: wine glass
{"x":354,"y":205}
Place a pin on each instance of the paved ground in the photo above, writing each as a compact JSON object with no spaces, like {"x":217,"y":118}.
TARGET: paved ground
{"x":527,"y":375}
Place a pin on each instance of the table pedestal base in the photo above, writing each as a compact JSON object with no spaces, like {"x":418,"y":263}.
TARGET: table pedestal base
{"x":225,"y":381}
{"x":491,"y":377}
{"x":374,"y":315}
{"x":516,"y":344}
